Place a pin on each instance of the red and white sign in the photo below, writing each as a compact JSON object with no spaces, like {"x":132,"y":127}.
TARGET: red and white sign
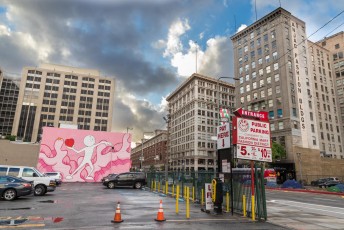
{"x":223,"y":136}
{"x":254,"y":153}
{"x":251,"y":132}
{"x":252,"y":138}
{"x":260,"y":115}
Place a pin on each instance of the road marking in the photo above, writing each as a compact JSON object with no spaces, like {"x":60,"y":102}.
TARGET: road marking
{"x":23,"y":226}
{"x":315,"y":198}
{"x":302,"y":205}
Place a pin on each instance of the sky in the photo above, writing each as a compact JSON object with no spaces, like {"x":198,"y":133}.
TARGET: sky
{"x":148,"y":46}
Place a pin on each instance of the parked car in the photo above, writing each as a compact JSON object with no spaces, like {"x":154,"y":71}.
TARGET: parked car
{"x":329,"y":182}
{"x":111,"y":175}
{"x":42,"y":183}
{"x":13,"y":187}
{"x":318,"y":181}
{"x":133,"y":179}
{"x":56,"y":176}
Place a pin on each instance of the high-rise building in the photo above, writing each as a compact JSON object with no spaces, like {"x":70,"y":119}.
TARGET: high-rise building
{"x":326,"y":107}
{"x":9,"y":91}
{"x":335,"y":45}
{"x":194,"y":117}
{"x":51,"y":95}
{"x":272,"y":59}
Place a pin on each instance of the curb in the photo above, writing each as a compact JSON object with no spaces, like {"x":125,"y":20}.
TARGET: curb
{"x":309,"y":191}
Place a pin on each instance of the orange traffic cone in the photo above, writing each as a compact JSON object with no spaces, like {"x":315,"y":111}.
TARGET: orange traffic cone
{"x":160,"y":216}
{"x":117,"y":218}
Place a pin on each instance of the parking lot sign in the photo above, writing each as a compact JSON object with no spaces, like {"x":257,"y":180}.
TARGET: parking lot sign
{"x":223,"y":136}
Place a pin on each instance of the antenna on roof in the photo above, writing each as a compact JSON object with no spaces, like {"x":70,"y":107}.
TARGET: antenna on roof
{"x":255,"y":8}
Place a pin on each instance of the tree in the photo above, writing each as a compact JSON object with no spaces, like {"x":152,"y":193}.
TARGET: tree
{"x":278,"y":151}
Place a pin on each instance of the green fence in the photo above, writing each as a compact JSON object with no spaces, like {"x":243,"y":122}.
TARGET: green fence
{"x":241,"y":184}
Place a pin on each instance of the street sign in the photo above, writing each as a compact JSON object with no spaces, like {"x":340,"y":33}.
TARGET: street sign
{"x":223,"y":136}
{"x":254,"y":153}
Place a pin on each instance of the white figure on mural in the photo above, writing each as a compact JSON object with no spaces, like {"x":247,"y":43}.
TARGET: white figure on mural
{"x":89,"y":141}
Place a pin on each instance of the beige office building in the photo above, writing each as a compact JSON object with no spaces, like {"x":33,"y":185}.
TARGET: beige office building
{"x":273,"y":59}
{"x":55,"y":95}
{"x":326,"y":103}
{"x":193,"y":110}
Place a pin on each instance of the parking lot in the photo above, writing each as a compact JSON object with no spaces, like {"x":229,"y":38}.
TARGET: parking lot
{"x":92,"y":206}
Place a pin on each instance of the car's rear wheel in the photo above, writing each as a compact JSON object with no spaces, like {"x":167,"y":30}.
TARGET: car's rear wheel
{"x":10,"y":194}
{"x":39,"y":190}
{"x":111,"y":185}
{"x":138,"y":185}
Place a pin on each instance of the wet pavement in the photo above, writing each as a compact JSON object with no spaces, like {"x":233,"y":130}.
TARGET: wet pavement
{"x":92,"y":206}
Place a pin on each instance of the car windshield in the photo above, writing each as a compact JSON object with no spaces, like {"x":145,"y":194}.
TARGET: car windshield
{"x":38,"y":173}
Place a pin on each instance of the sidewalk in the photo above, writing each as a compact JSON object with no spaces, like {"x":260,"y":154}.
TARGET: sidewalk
{"x":309,"y":189}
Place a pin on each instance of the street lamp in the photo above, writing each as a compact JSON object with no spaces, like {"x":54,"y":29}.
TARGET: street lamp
{"x":167,"y":119}
{"x":218,"y":110}
{"x":299,"y":158}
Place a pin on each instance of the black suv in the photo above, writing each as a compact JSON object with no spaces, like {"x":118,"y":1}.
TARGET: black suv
{"x":133,"y":179}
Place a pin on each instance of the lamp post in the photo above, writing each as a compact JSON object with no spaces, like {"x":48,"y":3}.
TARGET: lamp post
{"x":299,"y":158}
{"x":142,"y":140}
{"x":167,"y":119}
{"x":218,"y":110}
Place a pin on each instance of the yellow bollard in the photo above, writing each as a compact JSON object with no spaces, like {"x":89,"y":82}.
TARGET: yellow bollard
{"x":193,"y":194}
{"x":202,"y":198}
{"x":227,"y":201}
{"x":244,"y":205}
{"x":172,"y":190}
{"x":177,"y":199}
{"x":187,"y":203}
{"x":166,"y":186}
{"x":154,"y":186}
{"x":253,"y":209}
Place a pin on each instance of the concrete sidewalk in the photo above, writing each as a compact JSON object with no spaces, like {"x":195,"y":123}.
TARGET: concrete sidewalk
{"x":309,"y":189}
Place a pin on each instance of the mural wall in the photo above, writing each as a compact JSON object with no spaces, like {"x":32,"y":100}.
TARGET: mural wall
{"x":84,"y":155}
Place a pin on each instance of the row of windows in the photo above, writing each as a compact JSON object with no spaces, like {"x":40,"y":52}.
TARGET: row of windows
{"x":34,"y":86}
{"x":255,"y":83}
{"x":260,"y":62}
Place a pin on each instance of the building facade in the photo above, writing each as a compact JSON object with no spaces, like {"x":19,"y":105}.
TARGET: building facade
{"x":194,"y":117}
{"x":272,"y":58}
{"x":335,"y":45}
{"x":9,"y":91}
{"x":151,"y":152}
{"x":328,"y":117}
{"x":51,"y":95}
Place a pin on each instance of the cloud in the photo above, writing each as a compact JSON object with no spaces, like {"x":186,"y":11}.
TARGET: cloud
{"x":241,"y":27}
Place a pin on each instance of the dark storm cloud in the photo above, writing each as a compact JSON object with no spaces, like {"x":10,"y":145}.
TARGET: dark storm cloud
{"x":112,"y":36}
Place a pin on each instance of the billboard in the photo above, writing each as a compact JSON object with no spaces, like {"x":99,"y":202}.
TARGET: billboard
{"x":252,"y":138}
{"x":84,"y":155}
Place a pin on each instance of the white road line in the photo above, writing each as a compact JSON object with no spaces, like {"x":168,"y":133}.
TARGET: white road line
{"x":304,"y":205}
{"x":315,"y":198}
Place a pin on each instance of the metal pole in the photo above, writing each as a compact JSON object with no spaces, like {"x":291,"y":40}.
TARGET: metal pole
{"x":141,"y":154}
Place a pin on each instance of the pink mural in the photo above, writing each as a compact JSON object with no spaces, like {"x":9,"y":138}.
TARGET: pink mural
{"x":83,"y":155}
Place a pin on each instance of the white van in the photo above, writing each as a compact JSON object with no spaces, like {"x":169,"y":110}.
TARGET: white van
{"x":42,"y":183}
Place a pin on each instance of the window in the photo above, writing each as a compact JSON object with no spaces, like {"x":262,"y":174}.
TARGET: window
{"x":262,"y":93}
{"x":260,"y":61}
{"x":336,"y":46}
{"x":271,"y":114}
{"x":247,"y":68}
{"x":241,"y":89}
{"x":254,"y":74}
{"x":273,"y":45}
{"x":269,"y":91}
{"x":252,"y":44}
{"x":267,"y":58}
{"x":252,"y":35}
{"x":276,"y":66}
{"x":276,"y":77}
{"x":273,"y":34}
{"x":261,"y":82}
{"x":258,"y":42}
{"x":27,"y":172}
{"x":13,"y":172}
{"x":271,"y":103}
{"x":253,"y":64}
{"x":240,"y":52}
{"x":272,"y":127}
{"x":274,"y":56}
{"x":266,"y":48}
{"x":268,"y":80}
{"x":259,"y":51}
{"x":247,"y":77}
{"x":279,"y":113}
{"x":240,"y":62}
{"x":248,"y":88}
{"x":268,"y":69}
{"x":245,"y":49}
{"x":280,"y":125}
{"x":254,"y":85}
{"x":265,"y":37}
{"x":278,"y":89}
{"x":294,"y":112}
{"x":255,"y":96}
{"x":241,"y":80}
{"x":260,"y":72}
{"x":252,"y":54}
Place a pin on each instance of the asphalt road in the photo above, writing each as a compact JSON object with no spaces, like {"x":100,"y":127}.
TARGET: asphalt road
{"x":92,"y":206}
{"x":298,"y":210}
